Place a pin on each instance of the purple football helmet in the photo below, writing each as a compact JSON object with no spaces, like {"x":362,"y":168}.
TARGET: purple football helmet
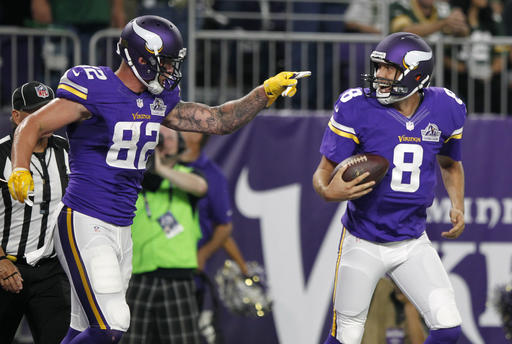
{"x":159,"y":43}
{"x":412,"y":57}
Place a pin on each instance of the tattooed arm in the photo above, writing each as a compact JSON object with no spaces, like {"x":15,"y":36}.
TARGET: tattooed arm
{"x":230,"y":116}
{"x":222,"y":119}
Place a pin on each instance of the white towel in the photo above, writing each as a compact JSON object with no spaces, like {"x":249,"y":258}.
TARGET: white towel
{"x":47,"y":248}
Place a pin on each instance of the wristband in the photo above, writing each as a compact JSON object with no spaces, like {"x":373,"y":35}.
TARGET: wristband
{"x":3,"y":257}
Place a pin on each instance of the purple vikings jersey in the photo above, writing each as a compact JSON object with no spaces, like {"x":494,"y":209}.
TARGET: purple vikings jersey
{"x":396,"y":209}
{"x":215,"y":207}
{"x":108,"y":152}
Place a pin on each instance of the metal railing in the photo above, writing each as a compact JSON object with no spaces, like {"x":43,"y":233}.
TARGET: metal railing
{"x":29,"y":54}
{"x":482,"y":89}
{"x":223,"y":65}
{"x":233,"y":62}
{"x":226,"y":64}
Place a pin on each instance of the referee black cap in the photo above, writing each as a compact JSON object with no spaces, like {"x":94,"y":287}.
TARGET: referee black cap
{"x":31,"y":96}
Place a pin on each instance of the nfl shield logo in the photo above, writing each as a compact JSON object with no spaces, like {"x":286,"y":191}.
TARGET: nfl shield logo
{"x":140,"y":103}
{"x":42,"y":91}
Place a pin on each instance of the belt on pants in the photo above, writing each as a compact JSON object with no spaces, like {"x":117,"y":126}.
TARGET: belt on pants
{"x":23,"y":261}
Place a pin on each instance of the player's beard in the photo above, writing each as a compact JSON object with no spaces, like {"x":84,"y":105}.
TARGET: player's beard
{"x":383,"y":89}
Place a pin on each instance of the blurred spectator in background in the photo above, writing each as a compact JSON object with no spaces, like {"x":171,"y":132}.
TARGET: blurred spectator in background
{"x":83,"y":17}
{"x":506,"y":24}
{"x":261,"y":20}
{"x":19,"y":14}
{"x":361,"y":16}
{"x":497,"y":11}
{"x":319,"y":57}
{"x":507,"y":17}
{"x":392,"y":318}
{"x":479,"y":61}
{"x":131,"y":9}
{"x":15,"y":13}
{"x":427,"y":17}
{"x":165,"y":233}
{"x":177,"y":12}
{"x":224,"y":15}
{"x":319,"y":8}
{"x":364,"y":16}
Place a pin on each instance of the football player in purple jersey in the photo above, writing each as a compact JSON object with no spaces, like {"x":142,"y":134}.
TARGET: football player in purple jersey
{"x":383,"y":230}
{"x":113,"y":120}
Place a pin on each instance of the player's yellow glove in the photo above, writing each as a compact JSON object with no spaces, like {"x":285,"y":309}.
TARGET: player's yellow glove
{"x":20,"y":183}
{"x":284,"y":83}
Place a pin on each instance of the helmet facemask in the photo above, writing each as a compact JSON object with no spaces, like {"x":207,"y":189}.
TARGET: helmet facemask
{"x":157,"y":67}
{"x":395,"y":92}
{"x":160,"y":66}
{"x":387,"y":91}
{"x":413,"y":60}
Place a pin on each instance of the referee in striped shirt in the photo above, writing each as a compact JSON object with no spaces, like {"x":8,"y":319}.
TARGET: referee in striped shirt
{"x":32,"y":280}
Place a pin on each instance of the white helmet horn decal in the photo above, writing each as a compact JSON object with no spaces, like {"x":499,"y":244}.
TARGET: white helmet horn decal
{"x":413,"y":58}
{"x":154,"y":43}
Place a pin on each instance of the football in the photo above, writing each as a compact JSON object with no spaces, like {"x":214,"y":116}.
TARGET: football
{"x":360,"y":163}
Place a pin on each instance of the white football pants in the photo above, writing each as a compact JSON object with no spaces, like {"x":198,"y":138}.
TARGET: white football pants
{"x":414,"y":266}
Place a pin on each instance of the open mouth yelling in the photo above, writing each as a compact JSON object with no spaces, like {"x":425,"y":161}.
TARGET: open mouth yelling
{"x":383,"y":85}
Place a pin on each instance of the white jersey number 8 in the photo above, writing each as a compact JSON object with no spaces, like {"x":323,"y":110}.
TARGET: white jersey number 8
{"x":131,"y":145}
{"x":414,"y":154}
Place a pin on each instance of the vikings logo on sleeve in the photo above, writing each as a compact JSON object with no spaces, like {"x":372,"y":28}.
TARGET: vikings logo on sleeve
{"x":79,"y":84}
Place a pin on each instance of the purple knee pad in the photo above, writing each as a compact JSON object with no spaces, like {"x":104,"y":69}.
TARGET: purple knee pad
{"x":331,"y":340}
{"x":98,"y":336}
{"x":444,"y":336}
